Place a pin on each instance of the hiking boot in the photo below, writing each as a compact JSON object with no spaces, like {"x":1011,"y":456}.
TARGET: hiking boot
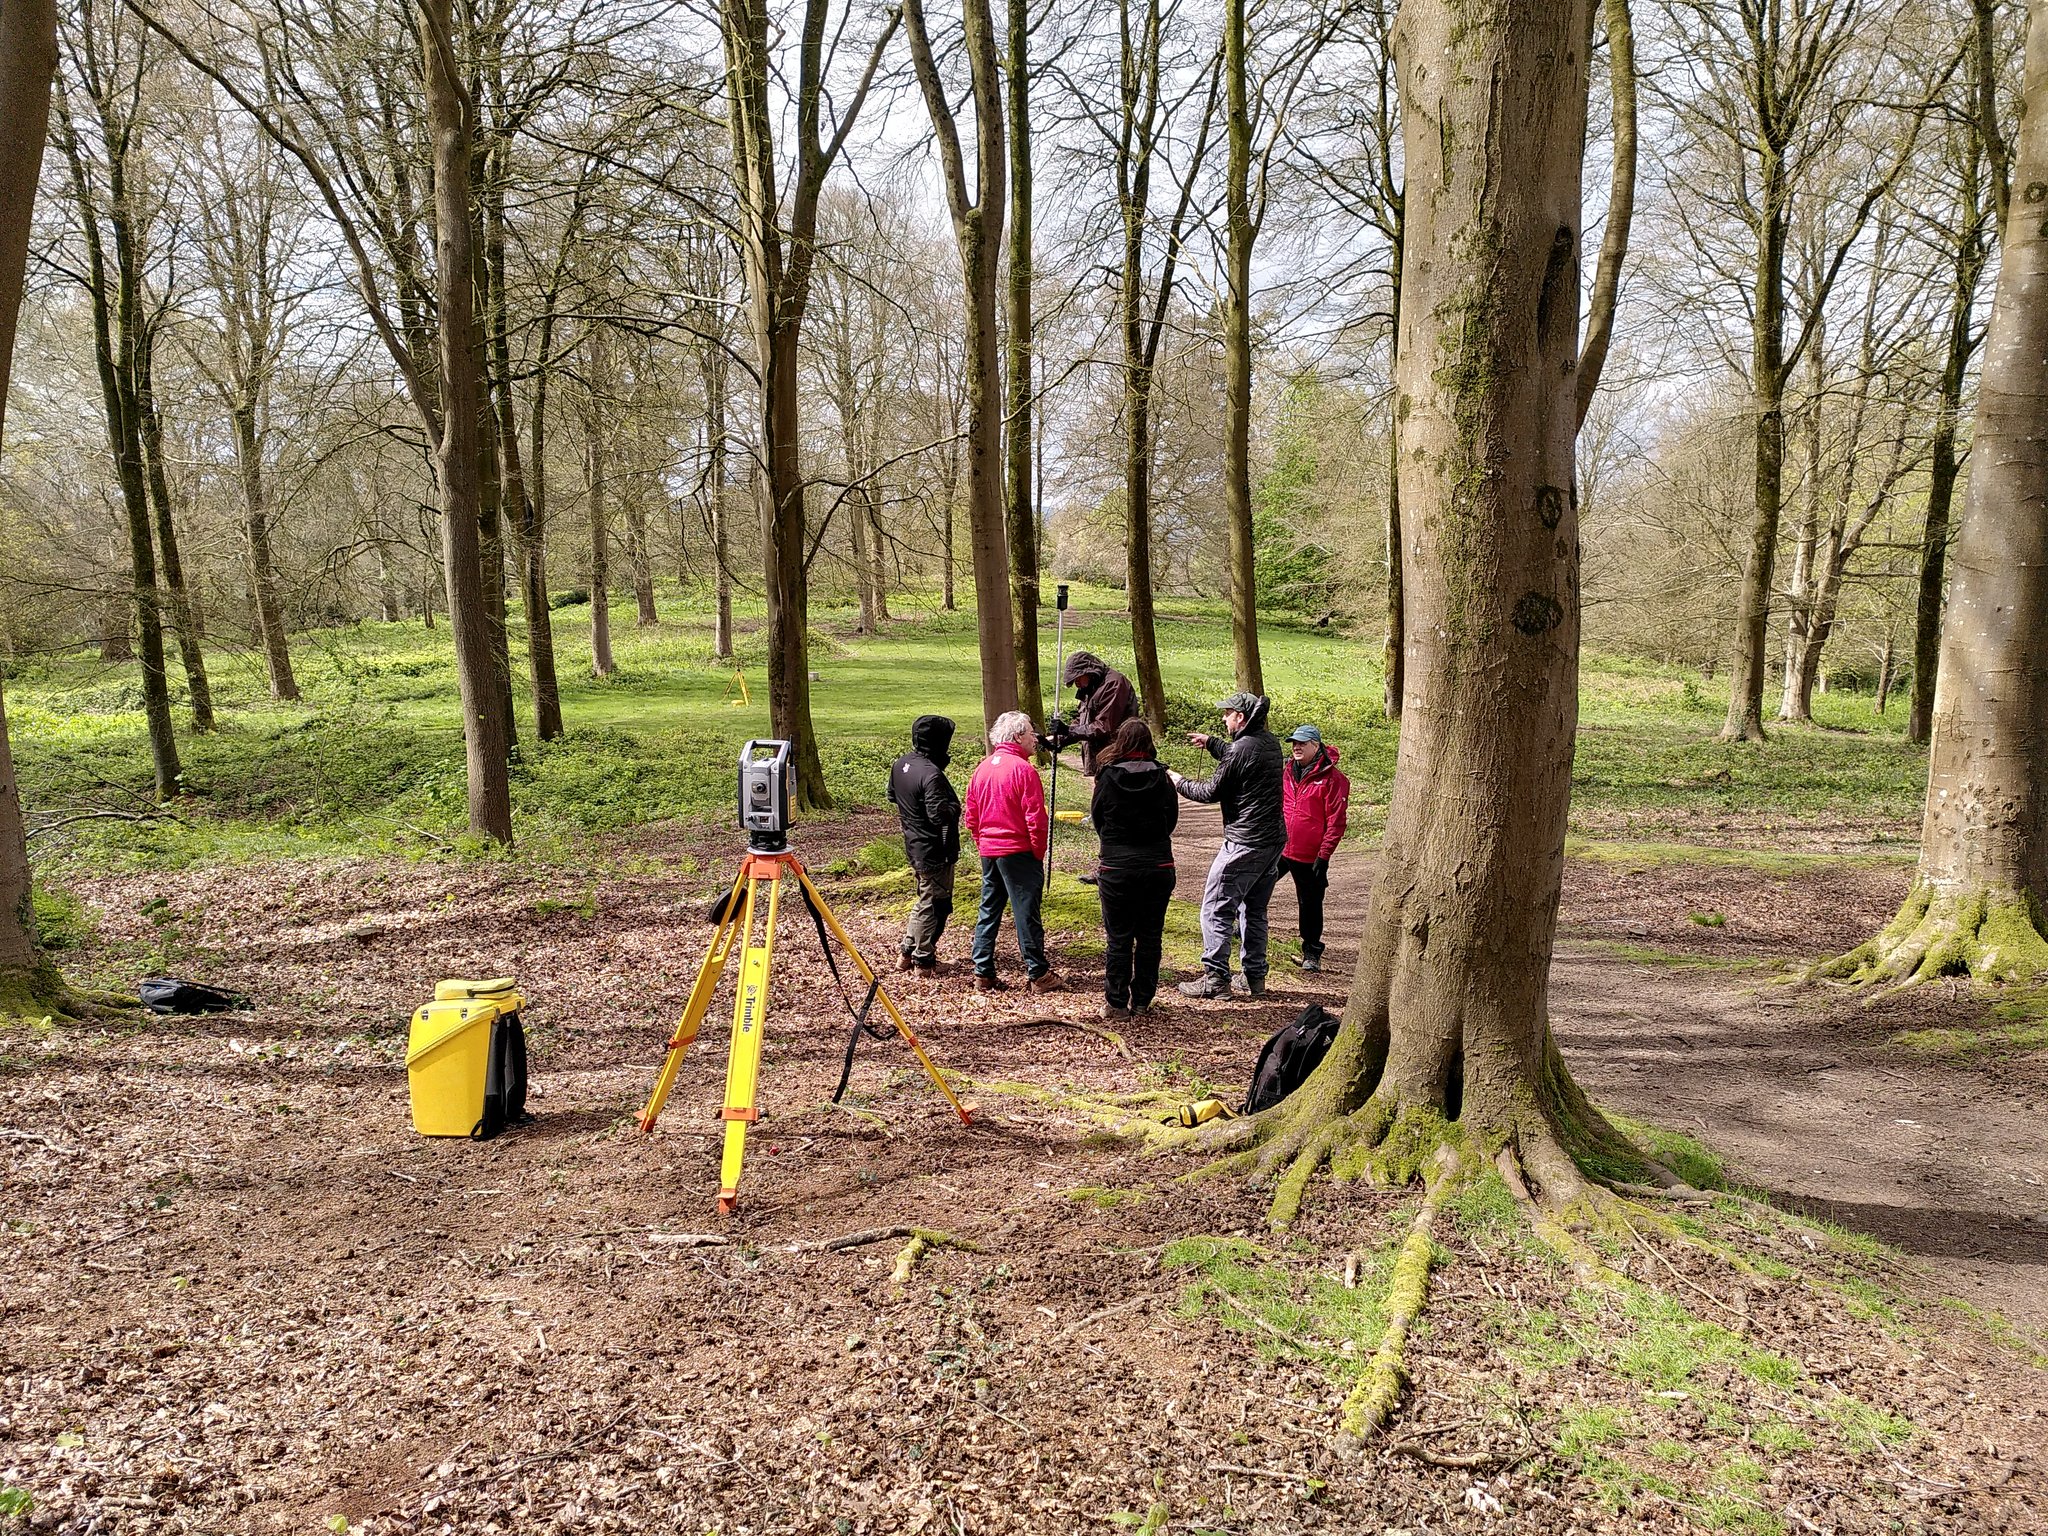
{"x":930,"y":967}
{"x":1244,"y":986}
{"x":1091,"y":878}
{"x":989,"y":982}
{"x":1111,"y":1012}
{"x":1208,"y":984}
{"x":906,"y":962}
{"x":1049,"y":982}
{"x":1310,"y":962}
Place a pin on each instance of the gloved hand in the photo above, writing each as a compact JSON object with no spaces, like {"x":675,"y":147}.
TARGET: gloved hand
{"x":1322,"y":869}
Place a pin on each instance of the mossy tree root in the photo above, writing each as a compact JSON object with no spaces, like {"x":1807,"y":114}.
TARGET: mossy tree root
{"x":1989,"y":934}
{"x":36,"y":992}
{"x":1372,"y":1402}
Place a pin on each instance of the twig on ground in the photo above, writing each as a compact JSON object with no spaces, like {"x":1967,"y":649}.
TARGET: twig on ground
{"x":689,"y":1239}
{"x":1351,"y":1271}
{"x":865,"y":1116}
{"x":1095,"y":1317}
{"x":1276,"y":1476}
{"x":1683,"y":1278}
{"x":933,"y":1238}
{"x":1048,"y":1022}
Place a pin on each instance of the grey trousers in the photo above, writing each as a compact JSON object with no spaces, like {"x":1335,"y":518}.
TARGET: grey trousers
{"x":928,"y":917}
{"x":1234,"y":901}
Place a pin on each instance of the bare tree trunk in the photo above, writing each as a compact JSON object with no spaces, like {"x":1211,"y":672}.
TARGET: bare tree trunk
{"x":638,"y":559}
{"x":863,"y":569}
{"x":117,"y":321}
{"x":1448,"y":1013}
{"x":1394,"y":656}
{"x":594,"y":426}
{"x":978,"y":229}
{"x":184,"y":617}
{"x":1792,"y":701}
{"x":1621,"y":204}
{"x":530,"y":540}
{"x":490,"y":498}
{"x":1138,"y":546}
{"x":878,"y":549}
{"x":484,"y":718}
{"x":117,"y":628}
{"x":714,"y":365}
{"x":277,"y":656}
{"x":1237,"y":355}
{"x":1020,"y":514}
{"x":1982,"y":886}
{"x":28,"y":59}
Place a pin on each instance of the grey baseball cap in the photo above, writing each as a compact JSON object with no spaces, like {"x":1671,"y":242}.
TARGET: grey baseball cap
{"x":1239,"y":703}
{"x":1307,"y":733}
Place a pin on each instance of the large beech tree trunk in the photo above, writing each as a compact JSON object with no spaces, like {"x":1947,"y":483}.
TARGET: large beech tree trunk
{"x":484,"y":717}
{"x":28,"y":59}
{"x":1448,"y":1014}
{"x":1979,"y":900}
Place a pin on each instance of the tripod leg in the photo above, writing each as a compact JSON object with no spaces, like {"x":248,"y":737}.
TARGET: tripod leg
{"x":867,"y":973}
{"x":708,"y":976}
{"x":749,"y":1022}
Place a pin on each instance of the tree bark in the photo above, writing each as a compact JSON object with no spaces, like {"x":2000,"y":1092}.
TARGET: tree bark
{"x":1621,"y":205}
{"x":277,"y":656}
{"x":1237,"y":354}
{"x":530,"y":540}
{"x":450,"y":126}
{"x":713,"y":366}
{"x":1394,"y":654}
{"x":28,"y":59}
{"x":978,"y":230}
{"x":1978,"y":900}
{"x":639,"y":561}
{"x":596,"y":486}
{"x":184,"y":617}
{"x":1448,"y":1013}
{"x":1020,"y":513}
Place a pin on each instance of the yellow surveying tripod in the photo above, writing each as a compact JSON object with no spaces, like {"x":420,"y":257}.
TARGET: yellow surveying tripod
{"x":764,"y":812}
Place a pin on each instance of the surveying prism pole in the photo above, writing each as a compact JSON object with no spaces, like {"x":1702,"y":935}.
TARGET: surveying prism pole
{"x":1059,"y":681}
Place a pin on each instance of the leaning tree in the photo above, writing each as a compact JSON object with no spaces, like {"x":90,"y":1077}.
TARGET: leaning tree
{"x":1445,"y":1058}
{"x":1979,"y":903}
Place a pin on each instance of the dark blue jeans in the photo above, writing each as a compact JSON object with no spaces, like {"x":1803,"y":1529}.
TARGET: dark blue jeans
{"x":1016,"y":880}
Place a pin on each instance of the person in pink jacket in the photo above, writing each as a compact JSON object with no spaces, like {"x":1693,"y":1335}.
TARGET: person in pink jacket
{"x":1315,"y":798}
{"x":1005,"y":815}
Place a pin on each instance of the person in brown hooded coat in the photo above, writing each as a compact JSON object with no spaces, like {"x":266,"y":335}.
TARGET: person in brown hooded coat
{"x":1106,"y":700}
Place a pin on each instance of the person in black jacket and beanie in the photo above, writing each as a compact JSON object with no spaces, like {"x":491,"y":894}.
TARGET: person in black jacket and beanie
{"x":929,"y":807}
{"x":1247,"y":783}
{"x":1134,"y":811}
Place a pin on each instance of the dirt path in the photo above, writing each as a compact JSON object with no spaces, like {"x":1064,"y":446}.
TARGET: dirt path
{"x":1801,"y":1089}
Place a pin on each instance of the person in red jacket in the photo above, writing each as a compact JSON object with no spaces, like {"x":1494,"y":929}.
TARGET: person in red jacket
{"x":1315,"y":798}
{"x":1005,"y":815}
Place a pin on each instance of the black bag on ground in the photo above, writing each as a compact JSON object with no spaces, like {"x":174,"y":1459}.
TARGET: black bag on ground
{"x":1295,"y":1050}
{"x":169,"y":995}
{"x":504,"y":1078}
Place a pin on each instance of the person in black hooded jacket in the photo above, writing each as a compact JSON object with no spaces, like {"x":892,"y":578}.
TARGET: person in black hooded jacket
{"x":1247,"y":784}
{"x":929,"y":808}
{"x":1134,"y":811}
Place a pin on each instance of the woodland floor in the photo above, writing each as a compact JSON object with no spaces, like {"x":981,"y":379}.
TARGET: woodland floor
{"x":240,"y":1295}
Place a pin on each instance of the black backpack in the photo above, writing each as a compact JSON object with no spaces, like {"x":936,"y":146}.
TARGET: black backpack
{"x":168,"y":995}
{"x":1295,"y":1050}
{"x":504,"y":1078}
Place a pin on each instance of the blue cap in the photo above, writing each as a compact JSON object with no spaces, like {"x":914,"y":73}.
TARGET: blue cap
{"x":1307,"y":733}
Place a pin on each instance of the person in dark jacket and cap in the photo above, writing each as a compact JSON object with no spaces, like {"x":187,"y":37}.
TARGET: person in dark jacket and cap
{"x":929,"y":807}
{"x":1247,"y":784}
{"x":1106,"y":701}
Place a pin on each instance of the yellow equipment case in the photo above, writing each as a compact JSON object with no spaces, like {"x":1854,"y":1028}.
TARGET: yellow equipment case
{"x":465,"y":1059}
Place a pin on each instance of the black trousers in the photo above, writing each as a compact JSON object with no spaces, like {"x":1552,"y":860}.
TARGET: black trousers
{"x":1134,"y":923}
{"x":1309,"y":885}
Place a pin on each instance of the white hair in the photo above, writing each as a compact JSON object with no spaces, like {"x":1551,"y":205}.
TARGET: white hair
{"x":1014,"y":726}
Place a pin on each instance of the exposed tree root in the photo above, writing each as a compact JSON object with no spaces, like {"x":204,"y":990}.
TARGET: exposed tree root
{"x":1991,"y":935}
{"x":1372,"y":1402}
{"x":36,"y":992}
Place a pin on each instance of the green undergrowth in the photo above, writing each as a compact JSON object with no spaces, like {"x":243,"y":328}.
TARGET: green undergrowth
{"x":1631,"y":953}
{"x":372,"y":759}
{"x":1642,"y":857}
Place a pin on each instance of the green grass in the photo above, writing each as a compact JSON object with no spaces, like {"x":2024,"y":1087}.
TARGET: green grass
{"x":372,"y":760}
{"x":1313,"y":1317}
